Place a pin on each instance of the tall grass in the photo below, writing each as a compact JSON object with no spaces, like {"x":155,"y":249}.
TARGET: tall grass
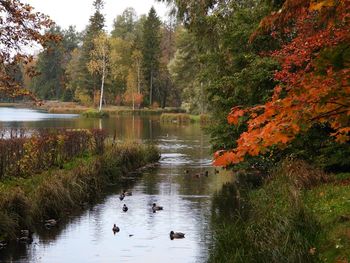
{"x":27,"y":201}
{"x":22,"y":155}
{"x":273,"y":224}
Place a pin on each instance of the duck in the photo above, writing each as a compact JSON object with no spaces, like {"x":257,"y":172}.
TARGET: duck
{"x":155,"y":207}
{"x":115,"y":229}
{"x":121,"y":197}
{"x":176,"y":235}
{"x":50,"y":223}
{"x":125,"y":208}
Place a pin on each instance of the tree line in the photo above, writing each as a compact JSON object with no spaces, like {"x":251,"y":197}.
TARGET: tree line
{"x":131,"y":65}
{"x":274,"y":74}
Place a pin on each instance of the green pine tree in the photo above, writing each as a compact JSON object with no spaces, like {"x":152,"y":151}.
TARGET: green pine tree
{"x":151,"y":51}
{"x":91,"y":83}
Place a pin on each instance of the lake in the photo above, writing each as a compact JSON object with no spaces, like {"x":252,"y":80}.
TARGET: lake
{"x":86,"y":236}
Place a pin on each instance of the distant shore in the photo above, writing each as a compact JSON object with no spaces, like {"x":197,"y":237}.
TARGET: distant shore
{"x":55,"y":106}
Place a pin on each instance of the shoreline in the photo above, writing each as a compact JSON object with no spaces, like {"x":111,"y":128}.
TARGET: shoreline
{"x":75,"y":108}
{"x":26,"y":203}
{"x":298,"y":214}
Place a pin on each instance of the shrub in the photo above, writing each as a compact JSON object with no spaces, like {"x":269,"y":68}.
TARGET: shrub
{"x":24,"y":156}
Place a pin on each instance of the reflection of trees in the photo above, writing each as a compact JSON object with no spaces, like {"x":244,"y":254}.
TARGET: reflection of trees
{"x":226,"y":202}
{"x":151,"y":181}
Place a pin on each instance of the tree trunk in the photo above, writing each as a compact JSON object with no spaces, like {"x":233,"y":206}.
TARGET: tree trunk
{"x":133,"y":100}
{"x":103,"y":77}
{"x":138,"y":78}
{"x":151,"y":90}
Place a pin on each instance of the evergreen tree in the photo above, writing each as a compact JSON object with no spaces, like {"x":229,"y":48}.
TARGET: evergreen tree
{"x":90,"y":83}
{"x":51,"y":64}
{"x":124,"y":24}
{"x":151,"y":51}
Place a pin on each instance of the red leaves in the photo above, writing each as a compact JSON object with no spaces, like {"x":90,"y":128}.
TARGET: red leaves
{"x":304,"y":96}
{"x":234,"y":115}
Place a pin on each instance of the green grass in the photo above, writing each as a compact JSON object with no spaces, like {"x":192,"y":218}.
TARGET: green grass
{"x":300,"y":214}
{"x":330,"y":203}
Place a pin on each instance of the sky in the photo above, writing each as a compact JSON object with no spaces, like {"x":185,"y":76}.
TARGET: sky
{"x":78,"y":12}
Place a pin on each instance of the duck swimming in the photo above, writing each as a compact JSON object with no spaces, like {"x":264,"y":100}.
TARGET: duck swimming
{"x":115,"y":229}
{"x":176,"y":235}
{"x":125,"y":208}
{"x":121,"y":197}
{"x":155,"y":207}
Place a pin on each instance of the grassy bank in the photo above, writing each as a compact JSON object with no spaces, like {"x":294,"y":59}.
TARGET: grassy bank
{"x":25,"y":202}
{"x":299,"y":214}
{"x":95,"y":114}
{"x":330,"y":205}
{"x":184,"y":118}
{"x":73,"y":107}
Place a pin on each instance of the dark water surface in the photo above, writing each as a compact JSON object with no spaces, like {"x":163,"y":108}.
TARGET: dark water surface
{"x":144,"y":236}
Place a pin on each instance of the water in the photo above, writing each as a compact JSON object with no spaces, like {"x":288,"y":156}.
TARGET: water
{"x":87,"y":236}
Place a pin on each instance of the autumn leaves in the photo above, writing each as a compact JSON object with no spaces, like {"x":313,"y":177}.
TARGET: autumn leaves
{"x":314,"y":82}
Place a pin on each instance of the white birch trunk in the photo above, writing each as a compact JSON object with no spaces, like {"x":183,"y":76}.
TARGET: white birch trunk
{"x":103,"y":76}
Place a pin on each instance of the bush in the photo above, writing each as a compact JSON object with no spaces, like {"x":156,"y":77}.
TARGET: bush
{"x":24,"y":156}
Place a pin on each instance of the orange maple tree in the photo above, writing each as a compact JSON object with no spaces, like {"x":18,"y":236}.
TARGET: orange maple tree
{"x":20,"y":28}
{"x":313,"y":88}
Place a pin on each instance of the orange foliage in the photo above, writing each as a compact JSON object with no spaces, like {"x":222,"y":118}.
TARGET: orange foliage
{"x":20,"y":27}
{"x":133,"y":98}
{"x":306,"y":95}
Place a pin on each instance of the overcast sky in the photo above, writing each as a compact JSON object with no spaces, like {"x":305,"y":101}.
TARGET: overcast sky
{"x":78,"y":12}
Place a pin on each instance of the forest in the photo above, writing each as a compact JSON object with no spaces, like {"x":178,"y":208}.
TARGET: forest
{"x":136,"y":61}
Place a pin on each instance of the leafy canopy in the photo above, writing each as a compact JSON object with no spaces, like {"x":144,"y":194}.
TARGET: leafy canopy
{"x":314,"y":81}
{"x":20,"y":27}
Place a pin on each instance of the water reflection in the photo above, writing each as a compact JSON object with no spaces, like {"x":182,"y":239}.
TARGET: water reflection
{"x":25,"y":115}
{"x":87,"y":236}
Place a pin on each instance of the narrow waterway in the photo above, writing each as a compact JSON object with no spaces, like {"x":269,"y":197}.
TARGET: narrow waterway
{"x":87,"y":235}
